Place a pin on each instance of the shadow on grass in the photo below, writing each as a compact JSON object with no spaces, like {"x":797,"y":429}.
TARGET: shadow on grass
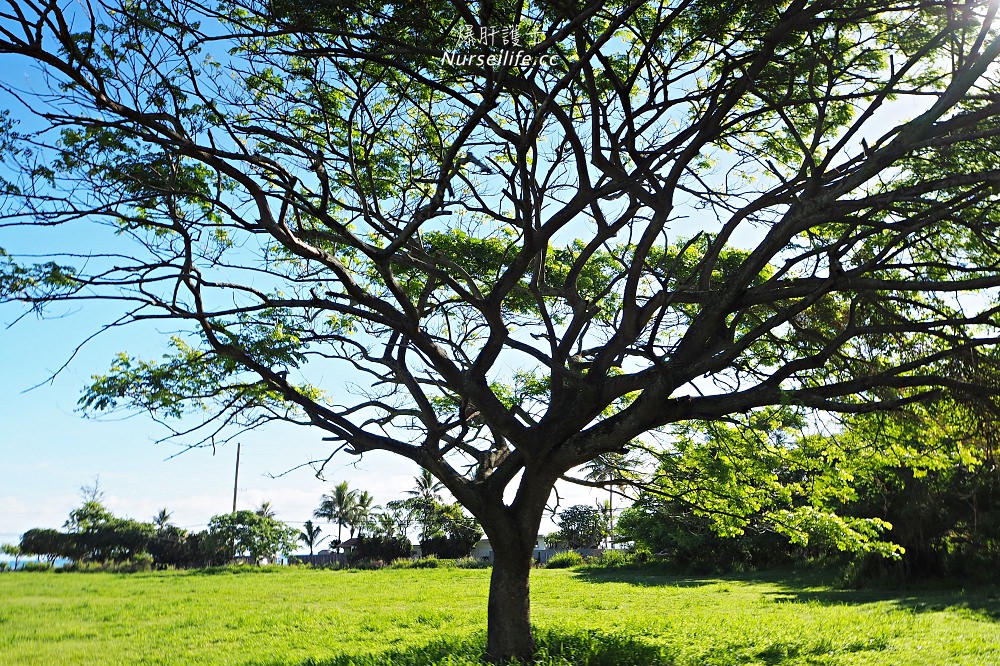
{"x":555,"y":648}
{"x":650,"y":575}
{"x":587,"y":647}
{"x":982,"y":604}
{"x":819,"y":586}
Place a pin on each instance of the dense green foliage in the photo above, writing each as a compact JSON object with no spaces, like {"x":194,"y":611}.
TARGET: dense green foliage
{"x":380,"y":548}
{"x":580,"y":526}
{"x":934,"y":476}
{"x":434,"y":617}
{"x":448,"y":531}
{"x":566,"y":560}
{"x":927,"y":475}
{"x":247,"y":533}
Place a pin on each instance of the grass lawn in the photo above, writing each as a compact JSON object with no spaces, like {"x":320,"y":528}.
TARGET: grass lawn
{"x":303,"y":617}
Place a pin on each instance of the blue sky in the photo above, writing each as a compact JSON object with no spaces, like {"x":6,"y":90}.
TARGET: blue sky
{"x":49,"y":450}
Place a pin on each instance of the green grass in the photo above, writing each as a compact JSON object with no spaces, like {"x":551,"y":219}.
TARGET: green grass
{"x":302,"y":617}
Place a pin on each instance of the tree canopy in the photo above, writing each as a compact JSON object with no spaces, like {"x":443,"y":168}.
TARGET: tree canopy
{"x":605,"y":217}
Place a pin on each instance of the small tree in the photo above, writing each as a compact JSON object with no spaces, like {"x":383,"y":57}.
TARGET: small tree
{"x":12,"y":549}
{"x":361,"y":513}
{"x":581,"y":526}
{"x":454,"y":533}
{"x":398,"y":518}
{"x":310,"y":535}
{"x":162,"y":519}
{"x":424,"y":504}
{"x":172,"y":546}
{"x":252,"y":535}
{"x":48,"y":543}
{"x":338,"y":507}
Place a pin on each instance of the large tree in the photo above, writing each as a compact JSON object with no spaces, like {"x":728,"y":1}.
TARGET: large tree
{"x":527,"y":232}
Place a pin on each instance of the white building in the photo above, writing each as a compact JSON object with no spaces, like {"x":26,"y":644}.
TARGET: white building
{"x":483,"y":551}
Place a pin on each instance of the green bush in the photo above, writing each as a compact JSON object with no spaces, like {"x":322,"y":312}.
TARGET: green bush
{"x":139,"y":562}
{"x":641,"y":555}
{"x":381,"y":548}
{"x":36,"y":566}
{"x":472,"y":563}
{"x":449,"y":548}
{"x":570,"y":558}
{"x":429,"y":562}
{"x":367,"y":565}
{"x":611,"y":558}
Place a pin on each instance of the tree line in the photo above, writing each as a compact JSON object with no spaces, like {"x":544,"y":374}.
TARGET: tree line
{"x":93,"y":534}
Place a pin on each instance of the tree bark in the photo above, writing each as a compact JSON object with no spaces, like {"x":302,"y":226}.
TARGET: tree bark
{"x":508,"y":634}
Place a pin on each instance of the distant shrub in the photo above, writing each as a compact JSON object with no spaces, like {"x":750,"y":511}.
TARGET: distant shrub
{"x":380,"y":548}
{"x":450,"y":547}
{"x":570,"y":558}
{"x":610,"y":558}
{"x":332,"y":565}
{"x":36,"y":566}
{"x":367,"y":565}
{"x":429,"y":562}
{"x":139,"y":562}
{"x":472,"y":563}
{"x":641,"y":555}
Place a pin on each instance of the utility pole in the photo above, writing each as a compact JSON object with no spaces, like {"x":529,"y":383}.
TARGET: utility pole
{"x":236,"y":480}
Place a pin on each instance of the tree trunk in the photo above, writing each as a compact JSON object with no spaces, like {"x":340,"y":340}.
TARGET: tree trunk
{"x":508,"y":634}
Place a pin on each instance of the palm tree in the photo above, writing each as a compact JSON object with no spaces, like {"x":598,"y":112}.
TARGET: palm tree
{"x":14,"y":550}
{"x":364,"y":504}
{"x":162,"y":519}
{"x":610,"y":470}
{"x":425,"y":493}
{"x":385,"y":525}
{"x":337,"y":508}
{"x":427,"y":487}
{"x":310,"y":535}
{"x":265,"y":510}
